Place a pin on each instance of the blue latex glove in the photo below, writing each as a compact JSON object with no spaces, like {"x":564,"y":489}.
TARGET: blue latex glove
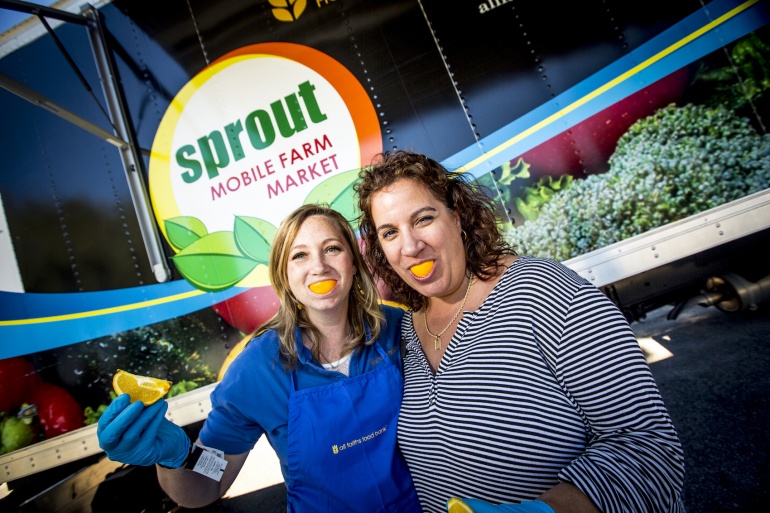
{"x":479,"y":506}
{"x":135,"y":435}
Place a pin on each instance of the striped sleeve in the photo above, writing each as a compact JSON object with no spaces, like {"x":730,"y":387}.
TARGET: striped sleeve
{"x":634,"y":460}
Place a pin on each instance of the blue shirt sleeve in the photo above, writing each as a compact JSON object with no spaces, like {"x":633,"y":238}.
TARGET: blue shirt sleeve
{"x":250,"y":400}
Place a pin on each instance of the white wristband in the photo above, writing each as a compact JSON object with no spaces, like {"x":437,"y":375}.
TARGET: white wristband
{"x":207,"y":461}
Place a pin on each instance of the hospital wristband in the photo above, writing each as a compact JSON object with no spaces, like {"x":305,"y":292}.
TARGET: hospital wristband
{"x":206,"y":461}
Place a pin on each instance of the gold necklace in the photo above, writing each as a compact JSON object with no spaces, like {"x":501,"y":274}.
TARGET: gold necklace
{"x":437,"y":338}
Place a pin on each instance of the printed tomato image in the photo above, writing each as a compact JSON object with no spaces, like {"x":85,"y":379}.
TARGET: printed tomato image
{"x":17,"y":379}
{"x":59,"y":412}
{"x":249,"y":310}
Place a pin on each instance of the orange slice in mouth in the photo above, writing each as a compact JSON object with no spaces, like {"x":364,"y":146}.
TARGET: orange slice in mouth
{"x":422,"y":270}
{"x":322,"y":287}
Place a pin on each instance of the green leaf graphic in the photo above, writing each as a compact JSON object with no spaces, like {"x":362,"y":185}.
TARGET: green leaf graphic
{"x":183,"y":231}
{"x":338,"y":192}
{"x":253,"y":237}
{"x":509,"y":174}
{"x":213,"y":262}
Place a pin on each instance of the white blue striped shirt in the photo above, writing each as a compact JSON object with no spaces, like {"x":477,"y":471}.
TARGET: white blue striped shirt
{"x":544,"y":382}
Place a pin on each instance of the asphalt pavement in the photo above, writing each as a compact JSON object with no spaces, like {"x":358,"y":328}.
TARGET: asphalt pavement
{"x":713,"y":370}
{"x":716,"y":387}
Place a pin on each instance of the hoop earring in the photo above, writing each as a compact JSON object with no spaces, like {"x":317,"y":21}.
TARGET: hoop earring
{"x":463,"y":235}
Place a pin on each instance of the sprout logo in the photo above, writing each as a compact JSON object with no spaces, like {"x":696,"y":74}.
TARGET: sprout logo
{"x":288,"y":10}
{"x":257,"y":133}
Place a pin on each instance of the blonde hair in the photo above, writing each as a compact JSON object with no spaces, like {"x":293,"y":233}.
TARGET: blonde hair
{"x":363,"y":306}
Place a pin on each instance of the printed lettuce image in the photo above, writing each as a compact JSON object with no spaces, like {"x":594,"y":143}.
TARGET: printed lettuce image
{"x":676,"y":163}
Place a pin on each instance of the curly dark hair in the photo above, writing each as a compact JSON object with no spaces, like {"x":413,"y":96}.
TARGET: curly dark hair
{"x":485,"y":246}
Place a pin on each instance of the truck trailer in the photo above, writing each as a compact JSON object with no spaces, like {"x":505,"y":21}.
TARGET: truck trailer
{"x":150,"y":152}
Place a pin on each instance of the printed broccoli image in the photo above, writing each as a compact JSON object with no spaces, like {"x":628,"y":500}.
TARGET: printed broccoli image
{"x":678,"y":162}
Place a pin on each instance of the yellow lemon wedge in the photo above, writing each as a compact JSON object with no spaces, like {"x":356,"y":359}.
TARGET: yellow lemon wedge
{"x":140,"y":388}
{"x":422,"y":270}
{"x":455,"y":505}
{"x":322,"y":287}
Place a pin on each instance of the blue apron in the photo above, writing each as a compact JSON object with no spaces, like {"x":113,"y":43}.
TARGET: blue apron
{"x":342,"y":452}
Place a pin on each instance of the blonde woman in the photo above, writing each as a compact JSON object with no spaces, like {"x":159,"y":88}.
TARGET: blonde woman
{"x":322,"y":380}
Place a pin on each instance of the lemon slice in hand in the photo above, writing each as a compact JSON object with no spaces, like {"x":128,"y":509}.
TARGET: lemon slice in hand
{"x":140,"y":388}
{"x":422,"y":270}
{"x":455,"y":505}
{"x":322,"y":287}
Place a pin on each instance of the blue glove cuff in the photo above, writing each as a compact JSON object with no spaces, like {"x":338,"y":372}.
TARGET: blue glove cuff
{"x":180,"y":460}
{"x":538,"y":507}
{"x":480,"y":506}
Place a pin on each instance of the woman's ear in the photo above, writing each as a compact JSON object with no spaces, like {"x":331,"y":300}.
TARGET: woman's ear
{"x":457,"y":219}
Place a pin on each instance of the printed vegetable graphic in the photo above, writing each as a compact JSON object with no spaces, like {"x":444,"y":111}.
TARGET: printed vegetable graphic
{"x":181,"y":388}
{"x":537,"y":195}
{"x":28,"y":404}
{"x":59,"y":412}
{"x":18,"y":379}
{"x":668,"y":166}
{"x":749,"y":59}
{"x":15,"y":433}
{"x":92,"y":416}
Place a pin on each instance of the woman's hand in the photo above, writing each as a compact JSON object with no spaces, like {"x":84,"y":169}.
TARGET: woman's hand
{"x":135,"y":435}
